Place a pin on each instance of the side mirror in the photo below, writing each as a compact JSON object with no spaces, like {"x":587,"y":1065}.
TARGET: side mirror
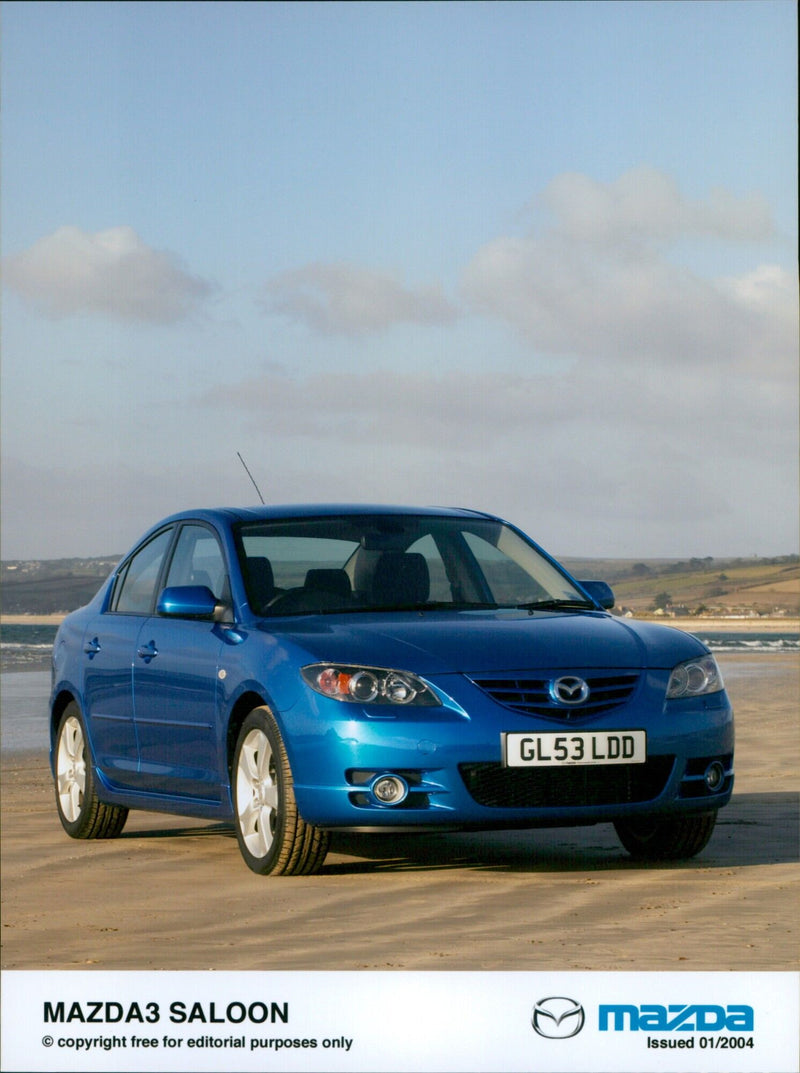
{"x":187,"y":601}
{"x":600,"y":592}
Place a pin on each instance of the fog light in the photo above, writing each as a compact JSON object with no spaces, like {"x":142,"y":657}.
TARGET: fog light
{"x":389,"y":789}
{"x":714,"y":776}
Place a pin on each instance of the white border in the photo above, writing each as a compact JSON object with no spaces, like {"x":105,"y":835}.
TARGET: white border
{"x":435,"y":1022}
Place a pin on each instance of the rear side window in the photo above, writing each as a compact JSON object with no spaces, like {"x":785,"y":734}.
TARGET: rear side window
{"x":136,"y":587}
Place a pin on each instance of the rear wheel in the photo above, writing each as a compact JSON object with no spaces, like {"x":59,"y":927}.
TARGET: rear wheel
{"x":273,"y":838}
{"x":662,"y":838}
{"x":82,"y":813}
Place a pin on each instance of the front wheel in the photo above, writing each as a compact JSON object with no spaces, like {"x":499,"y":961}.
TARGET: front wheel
{"x":82,"y":813}
{"x":273,"y":838}
{"x":664,"y":838}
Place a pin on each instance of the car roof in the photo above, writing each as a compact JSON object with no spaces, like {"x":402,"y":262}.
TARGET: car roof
{"x":319,"y":510}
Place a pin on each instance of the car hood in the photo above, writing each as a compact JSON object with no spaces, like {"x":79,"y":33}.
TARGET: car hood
{"x":480,"y":642}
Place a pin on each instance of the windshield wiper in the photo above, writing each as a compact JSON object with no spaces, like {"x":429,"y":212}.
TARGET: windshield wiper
{"x":557,"y":605}
{"x":428,"y":605}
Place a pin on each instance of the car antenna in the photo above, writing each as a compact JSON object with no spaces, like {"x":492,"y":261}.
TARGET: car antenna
{"x":250,"y":475}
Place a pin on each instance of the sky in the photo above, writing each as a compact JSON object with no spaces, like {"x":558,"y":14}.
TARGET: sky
{"x":538,"y":259}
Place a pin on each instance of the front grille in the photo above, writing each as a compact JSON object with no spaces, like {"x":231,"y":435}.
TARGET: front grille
{"x":495,"y":786}
{"x":532,"y":695}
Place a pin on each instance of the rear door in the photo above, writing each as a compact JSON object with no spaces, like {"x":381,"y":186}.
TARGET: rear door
{"x":109,"y":651}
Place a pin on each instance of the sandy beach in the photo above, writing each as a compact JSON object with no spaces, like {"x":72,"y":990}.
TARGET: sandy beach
{"x":173,"y":893}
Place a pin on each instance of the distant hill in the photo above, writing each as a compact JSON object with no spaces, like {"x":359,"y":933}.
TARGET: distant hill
{"x":699,"y":586}
{"x":706,"y":586}
{"x":43,"y":587}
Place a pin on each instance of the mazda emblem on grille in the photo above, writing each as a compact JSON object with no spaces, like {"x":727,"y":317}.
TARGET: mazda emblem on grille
{"x":569,"y":690}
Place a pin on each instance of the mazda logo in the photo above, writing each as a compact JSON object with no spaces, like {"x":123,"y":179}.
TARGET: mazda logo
{"x":558,"y":1017}
{"x":569,"y":690}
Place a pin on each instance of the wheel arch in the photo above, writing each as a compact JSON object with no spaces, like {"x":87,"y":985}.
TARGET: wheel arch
{"x":240,"y":711}
{"x":60,"y":703}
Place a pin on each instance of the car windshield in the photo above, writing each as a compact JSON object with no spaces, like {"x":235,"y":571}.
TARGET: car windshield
{"x":396,"y":562}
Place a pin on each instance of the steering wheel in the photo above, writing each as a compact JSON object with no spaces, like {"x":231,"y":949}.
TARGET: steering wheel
{"x":302,"y":599}
{"x":289,"y":597}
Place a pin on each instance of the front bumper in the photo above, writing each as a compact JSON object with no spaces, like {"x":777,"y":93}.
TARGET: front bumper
{"x":450,"y":759}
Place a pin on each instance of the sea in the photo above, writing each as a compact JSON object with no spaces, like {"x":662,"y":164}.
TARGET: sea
{"x":25,"y":675}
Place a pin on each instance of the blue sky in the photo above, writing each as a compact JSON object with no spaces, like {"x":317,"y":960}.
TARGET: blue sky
{"x":535,"y":258}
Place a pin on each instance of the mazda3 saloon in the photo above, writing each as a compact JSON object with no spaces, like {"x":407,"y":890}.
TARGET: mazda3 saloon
{"x":297,"y":670}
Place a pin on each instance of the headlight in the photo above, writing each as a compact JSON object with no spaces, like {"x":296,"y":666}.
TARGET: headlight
{"x":694,"y":678}
{"x":368,"y":685}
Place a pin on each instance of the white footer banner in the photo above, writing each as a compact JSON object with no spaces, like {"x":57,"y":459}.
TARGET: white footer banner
{"x":398,"y":1022}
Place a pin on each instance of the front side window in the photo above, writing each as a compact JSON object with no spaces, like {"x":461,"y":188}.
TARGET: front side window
{"x":512,"y":573}
{"x":395,"y":562}
{"x":136,"y":588}
{"x":198,"y":560}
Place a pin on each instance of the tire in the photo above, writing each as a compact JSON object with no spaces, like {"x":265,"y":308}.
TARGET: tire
{"x":82,"y":813}
{"x":664,"y":838}
{"x":273,"y":838}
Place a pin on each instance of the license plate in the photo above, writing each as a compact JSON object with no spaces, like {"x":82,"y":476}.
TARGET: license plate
{"x":554,"y":749}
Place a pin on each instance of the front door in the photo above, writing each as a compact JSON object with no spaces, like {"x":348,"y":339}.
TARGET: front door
{"x":181,"y":750}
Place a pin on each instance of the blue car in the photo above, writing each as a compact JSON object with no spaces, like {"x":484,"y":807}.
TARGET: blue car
{"x":296,"y":670}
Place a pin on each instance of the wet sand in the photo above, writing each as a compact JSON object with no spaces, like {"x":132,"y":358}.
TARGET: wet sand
{"x":172,"y":893}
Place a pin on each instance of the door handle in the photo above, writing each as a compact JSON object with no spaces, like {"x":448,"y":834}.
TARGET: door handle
{"x":147,"y":652}
{"x":91,"y":648}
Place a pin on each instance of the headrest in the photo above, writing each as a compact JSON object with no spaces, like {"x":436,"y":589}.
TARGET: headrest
{"x":401,"y":578}
{"x":335,"y":581}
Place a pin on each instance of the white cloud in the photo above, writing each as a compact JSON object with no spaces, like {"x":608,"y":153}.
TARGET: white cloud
{"x":671,"y":428}
{"x":587,"y":462}
{"x":384,"y":406}
{"x":342,"y":299}
{"x":112,"y":272}
{"x":553,"y":416}
{"x":583,"y":458}
{"x":596,"y":283}
{"x":768,"y":293}
{"x":646,"y":205}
